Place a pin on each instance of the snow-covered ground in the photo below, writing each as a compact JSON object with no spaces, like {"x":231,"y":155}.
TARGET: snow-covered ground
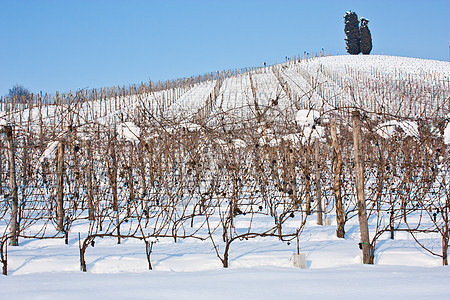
{"x":260,"y":268}
{"x":352,"y":282}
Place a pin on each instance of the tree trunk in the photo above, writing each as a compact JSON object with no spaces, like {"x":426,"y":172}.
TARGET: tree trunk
{"x":391,"y":223}
{"x":340,"y":232}
{"x":82,"y":252}
{"x":225,"y":254}
{"x":444,"y":252}
{"x":148,"y":252}
{"x":359,"y":177}
{"x":13,"y":185}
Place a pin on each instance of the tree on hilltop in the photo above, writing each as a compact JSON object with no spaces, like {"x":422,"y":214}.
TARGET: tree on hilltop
{"x":19,"y":93}
{"x":365,"y":36}
{"x":352,"y":32}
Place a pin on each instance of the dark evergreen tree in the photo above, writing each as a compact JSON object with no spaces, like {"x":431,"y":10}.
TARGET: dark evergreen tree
{"x":366,"y":37}
{"x":352,"y":31}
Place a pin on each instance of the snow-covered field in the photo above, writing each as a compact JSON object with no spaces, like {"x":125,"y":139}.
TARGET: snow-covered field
{"x":353,"y":282}
{"x":259,"y":267}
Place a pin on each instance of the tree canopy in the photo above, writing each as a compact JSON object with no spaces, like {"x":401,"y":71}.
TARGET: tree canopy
{"x":19,"y":93}
{"x":359,"y":39}
{"x":352,"y":31}
{"x":366,"y":37}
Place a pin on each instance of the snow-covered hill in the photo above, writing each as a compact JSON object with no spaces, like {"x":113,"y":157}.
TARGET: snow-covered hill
{"x":406,"y":87}
{"x":382,"y":84}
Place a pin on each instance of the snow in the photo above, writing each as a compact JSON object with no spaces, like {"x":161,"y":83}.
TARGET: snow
{"x":128,"y":131}
{"x":306,"y":117}
{"x":260,"y":268}
{"x":238,"y":143}
{"x":50,"y":151}
{"x":192,"y":100}
{"x":356,"y":282}
{"x":447,"y":134}
{"x":190,"y":126}
{"x":390,"y":128}
{"x":307,"y":134}
{"x":234,"y":143}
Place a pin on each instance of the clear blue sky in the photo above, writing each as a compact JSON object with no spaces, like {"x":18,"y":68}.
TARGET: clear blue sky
{"x":68,"y":45}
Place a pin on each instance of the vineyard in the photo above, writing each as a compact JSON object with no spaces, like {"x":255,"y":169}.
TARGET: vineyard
{"x":234,"y":157}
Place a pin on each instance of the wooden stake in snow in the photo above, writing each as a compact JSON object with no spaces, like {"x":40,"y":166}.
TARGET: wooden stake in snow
{"x":318,"y":185}
{"x":141,"y":166}
{"x":340,"y":232}
{"x":60,"y":187}
{"x":113,"y":180}
{"x":113,"y":171}
{"x":359,"y":177}
{"x":13,"y":185}
{"x":130,"y":181}
{"x":90,"y":190}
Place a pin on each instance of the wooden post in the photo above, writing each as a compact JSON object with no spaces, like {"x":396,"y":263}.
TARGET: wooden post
{"x":340,"y":221}
{"x":1,"y":168}
{"x":90,"y":192}
{"x":307,"y":173}
{"x":60,"y":187}
{"x":292,"y":177}
{"x":113,"y":170}
{"x":13,"y":185}
{"x":445,"y":238}
{"x":130,"y":201}
{"x":318,"y":184}
{"x":4,"y":257}
{"x":113,"y":181}
{"x":25,"y":167}
{"x":359,"y":178}
{"x":142,"y":173}
{"x":75,"y":148}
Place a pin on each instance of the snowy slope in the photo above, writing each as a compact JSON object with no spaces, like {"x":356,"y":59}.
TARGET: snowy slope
{"x":375,"y":83}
